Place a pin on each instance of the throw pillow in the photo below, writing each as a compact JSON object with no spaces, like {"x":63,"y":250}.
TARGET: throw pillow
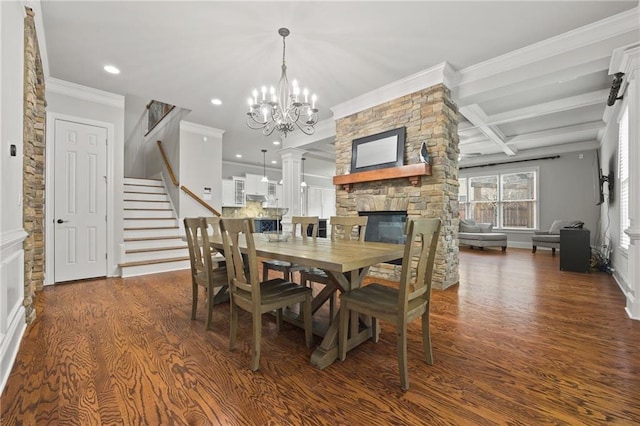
{"x":469,"y":225}
{"x":485,"y":227}
{"x":556,"y":226}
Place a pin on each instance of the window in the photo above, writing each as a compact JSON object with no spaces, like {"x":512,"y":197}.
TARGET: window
{"x":462,"y":198}
{"x":506,"y":199}
{"x":483,"y":198}
{"x":623,"y":176}
{"x":518,"y":200}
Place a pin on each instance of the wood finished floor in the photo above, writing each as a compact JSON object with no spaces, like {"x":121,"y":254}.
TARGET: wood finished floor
{"x":517,"y":342}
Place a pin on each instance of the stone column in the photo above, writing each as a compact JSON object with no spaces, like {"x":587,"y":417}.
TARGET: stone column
{"x":430,"y":116}
{"x":34,"y":166}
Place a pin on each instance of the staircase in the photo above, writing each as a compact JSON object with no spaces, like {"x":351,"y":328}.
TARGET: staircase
{"x":152,"y":238}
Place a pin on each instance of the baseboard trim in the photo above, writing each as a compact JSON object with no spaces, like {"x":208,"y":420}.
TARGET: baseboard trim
{"x":10,"y":344}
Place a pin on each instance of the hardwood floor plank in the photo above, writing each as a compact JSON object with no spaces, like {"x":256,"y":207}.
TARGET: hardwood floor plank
{"x":517,"y":342}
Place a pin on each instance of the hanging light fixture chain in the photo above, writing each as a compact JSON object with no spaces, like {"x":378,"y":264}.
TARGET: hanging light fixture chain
{"x":285,"y":109}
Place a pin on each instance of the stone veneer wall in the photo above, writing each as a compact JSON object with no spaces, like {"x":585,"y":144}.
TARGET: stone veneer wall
{"x":34,"y":166}
{"x":428,"y":115}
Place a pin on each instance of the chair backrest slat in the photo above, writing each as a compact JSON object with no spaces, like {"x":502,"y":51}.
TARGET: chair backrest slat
{"x":192,"y":229}
{"x":304,"y":222}
{"x":421,"y":243}
{"x":348,"y":227}
{"x":232,"y":232}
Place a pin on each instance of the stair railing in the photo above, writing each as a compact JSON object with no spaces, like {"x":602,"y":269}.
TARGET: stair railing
{"x":184,"y":188}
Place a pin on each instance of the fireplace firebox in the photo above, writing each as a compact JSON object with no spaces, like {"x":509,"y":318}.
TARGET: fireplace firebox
{"x":386,"y":227}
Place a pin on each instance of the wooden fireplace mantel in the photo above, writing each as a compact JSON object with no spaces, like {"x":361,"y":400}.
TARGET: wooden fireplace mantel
{"x":412,"y":171}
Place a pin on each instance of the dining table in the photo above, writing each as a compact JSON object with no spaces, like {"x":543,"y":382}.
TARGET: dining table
{"x":345,"y":262}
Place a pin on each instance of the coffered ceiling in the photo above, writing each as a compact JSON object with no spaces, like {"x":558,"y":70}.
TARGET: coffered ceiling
{"x":528,"y":77}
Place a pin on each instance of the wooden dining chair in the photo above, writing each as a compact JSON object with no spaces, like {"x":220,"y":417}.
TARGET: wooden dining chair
{"x":287,"y":269}
{"x":205,"y":272}
{"x":400,"y":305}
{"x":342,"y":228}
{"x":256,"y":297}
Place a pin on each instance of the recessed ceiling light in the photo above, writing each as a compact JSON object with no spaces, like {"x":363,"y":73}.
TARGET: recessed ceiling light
{"x":216,"y":101}
{"x":238,"y":155}
{"x":274,"y":162}
{"x":111,"y":69}
{"x":276,"y":142}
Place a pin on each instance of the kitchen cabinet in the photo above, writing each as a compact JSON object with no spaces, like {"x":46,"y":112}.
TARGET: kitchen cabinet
{"x":255,"y":186}
{"x":228,"y":193}
{"x":238,"y":191}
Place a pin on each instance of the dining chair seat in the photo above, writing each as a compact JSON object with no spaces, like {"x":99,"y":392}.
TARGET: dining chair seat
{"x":401,"y":305}
{"x":253,"y":296}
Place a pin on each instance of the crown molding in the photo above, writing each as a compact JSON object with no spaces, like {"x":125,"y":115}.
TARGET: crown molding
{"x":580,"y":37}
{"x":442,"y":73}
{"x":188,"y":126}
{"x":78,"y":91}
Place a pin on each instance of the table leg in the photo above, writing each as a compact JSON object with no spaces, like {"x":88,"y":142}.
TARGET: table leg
{"x":327,"y":352}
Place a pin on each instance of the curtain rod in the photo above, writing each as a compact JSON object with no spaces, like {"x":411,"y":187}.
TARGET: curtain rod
{"x":553,"y":157}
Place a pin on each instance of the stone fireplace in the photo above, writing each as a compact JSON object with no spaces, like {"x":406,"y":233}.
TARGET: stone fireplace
{"x":430,"y":116}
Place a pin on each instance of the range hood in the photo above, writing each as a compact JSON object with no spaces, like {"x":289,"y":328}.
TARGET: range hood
{"x":255,"y":197}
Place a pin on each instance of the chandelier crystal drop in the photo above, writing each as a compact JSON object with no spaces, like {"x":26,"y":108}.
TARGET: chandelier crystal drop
{"x":285,"y":108}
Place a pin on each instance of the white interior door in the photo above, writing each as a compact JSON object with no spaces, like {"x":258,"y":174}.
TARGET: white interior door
{"x":80,"y":201}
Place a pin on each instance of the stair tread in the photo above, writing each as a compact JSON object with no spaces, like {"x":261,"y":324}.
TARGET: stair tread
{"x":151,"y":210}
{"x":153,"y":262}
{"x":139,"y":178}
{"x":149,"y":218}
{"x":143,"y":185}
{"x":151,"y":249}
{"x":149,"y":228}
{"x":146,"y":201}
{"x":169,"y":237}
{"x":146,"y":192}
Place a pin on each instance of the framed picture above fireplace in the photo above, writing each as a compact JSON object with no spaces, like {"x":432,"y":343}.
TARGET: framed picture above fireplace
{"x":378,"y":151}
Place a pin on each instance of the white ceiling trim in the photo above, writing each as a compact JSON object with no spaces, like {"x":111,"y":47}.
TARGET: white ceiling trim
{"x":478,"y":118}
{"x":325,"y":129}
{"x":509,"y":85}
{"x":78,"y":91}
{"x":441,"y":73}
{"x":589,"y":34}
{"x":530,"y":153}
{"x":199,"y":129}
{"x":563,"y":132}
{"x":552,"y":107}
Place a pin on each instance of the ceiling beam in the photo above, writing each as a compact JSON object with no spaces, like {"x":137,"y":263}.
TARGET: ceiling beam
{"x":478,"y":118}
{"x":545,"y":108}
{"x":560,"y":132}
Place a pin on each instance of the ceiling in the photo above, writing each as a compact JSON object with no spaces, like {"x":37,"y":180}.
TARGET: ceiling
{"x":527,"y":78}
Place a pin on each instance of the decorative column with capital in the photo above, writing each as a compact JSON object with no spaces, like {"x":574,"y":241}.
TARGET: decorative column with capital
{"x":291,"y":165}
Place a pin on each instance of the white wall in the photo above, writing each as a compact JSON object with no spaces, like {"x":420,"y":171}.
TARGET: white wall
{"x":72,"y":100}
{"x":565,"y":192}
{"x":135,"y":126}
{"x":200,"y":167}
{"x":12,"y":313}
{"x":168,"y":132}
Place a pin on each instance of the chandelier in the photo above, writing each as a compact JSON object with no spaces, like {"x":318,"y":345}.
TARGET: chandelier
{"x":285,"y":109}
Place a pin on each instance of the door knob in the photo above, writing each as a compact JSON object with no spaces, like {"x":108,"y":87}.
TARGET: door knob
{"x":61,"y":221}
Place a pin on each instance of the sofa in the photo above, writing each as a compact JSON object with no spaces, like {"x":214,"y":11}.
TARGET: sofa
{"x":480,"y":235}
{"x":551,"y":237}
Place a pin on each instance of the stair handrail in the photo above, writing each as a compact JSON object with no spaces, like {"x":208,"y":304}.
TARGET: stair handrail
{"x":184,"y":188}
{"x":166,"y":163}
